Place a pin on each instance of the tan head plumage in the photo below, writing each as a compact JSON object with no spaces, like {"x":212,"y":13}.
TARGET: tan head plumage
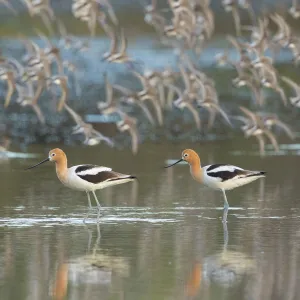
{"x":190,"y":156}
{"x":57,"y":155}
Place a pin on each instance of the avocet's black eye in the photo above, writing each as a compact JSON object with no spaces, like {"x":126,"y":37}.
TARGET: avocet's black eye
{"x":53,"y":154}
{"x":185,"y":155}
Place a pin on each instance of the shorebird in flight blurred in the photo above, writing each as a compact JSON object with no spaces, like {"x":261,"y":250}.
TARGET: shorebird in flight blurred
{"x":8,"y":5}
{"x":9,"y":77}
{"x":92,"y":136}
{"x":295,"y":101}
{"x":43,"y":9}
{"x":129,"y":124}
{"x":254,"y":126}
{"x":294,"y":10}
{"x":28,"y":97}
{"x":62,"y":82}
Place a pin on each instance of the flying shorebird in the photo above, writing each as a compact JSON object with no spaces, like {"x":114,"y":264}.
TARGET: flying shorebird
{"x":27,"y":96}
{"x":184,"y":101}
{"x":92,"y":136}
{"x":62,"y":81}
{"x":295,"y":101}
{"x":129,"y":124}
{"x":9,"y":77}
{"x":294,"y":10}
{"x":51,"y":51}
{"x":120,"y":55}
{"x":43,"y":9}
{"x":258,"y":128}
{"x":232,"y":6}
{"x":69,"y":41}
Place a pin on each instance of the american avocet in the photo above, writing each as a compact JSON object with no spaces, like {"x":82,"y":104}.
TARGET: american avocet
{"x":88,"y":178}
{"x":219,"y":176}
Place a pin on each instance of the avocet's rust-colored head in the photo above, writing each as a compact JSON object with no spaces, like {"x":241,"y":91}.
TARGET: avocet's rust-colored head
{"x":56,"y":155}
{"x":188,"y":155}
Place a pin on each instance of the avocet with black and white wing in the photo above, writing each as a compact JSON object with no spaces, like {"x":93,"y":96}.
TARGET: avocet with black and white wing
{"x":219,"y":176}
{"x":88,"y":178}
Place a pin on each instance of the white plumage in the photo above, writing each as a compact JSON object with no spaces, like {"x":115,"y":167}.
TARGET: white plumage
{"x":228,"y":177}
{"x":88,"y":178}
{"x":219,"y":176}
{"x":93,"y":178}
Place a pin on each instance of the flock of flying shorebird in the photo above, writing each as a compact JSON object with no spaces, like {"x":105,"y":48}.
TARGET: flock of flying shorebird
{"x":185,"y":26}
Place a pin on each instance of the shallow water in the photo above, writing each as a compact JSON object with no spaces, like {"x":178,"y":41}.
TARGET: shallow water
{"x":161,"y":238}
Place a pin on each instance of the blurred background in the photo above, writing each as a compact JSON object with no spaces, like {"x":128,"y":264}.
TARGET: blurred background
{"x":129,"y":85}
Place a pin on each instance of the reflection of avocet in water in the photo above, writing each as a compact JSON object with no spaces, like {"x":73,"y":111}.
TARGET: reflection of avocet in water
{"x":96,"y":267}
{"x":90,"y":271}
{"x":227,"y":267}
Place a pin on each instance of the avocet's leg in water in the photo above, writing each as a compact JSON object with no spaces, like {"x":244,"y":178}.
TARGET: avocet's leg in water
{"x":90,"y":207}
{"x":226,"y":206}
{"x":98,"y":206}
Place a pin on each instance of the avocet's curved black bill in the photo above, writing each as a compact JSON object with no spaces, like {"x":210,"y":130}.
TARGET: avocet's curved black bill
{"x":45,"y":160}
{"x":180,"y":160}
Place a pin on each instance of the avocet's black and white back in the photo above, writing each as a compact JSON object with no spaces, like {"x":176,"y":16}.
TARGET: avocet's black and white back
{"x":219,"y":176}
{"x":227,"y":177}
{"x":88,"y":178}
{"x":92,"y":177}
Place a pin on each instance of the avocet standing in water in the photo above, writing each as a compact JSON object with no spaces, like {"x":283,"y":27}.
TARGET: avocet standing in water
{"x":219,"y":176}
{"x":88,"y":178}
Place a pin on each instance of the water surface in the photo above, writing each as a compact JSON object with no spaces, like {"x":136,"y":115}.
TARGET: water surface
{"x":161,"y":238}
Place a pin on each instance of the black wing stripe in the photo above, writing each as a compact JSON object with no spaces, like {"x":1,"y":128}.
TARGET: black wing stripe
{"x":212,"y":167}
{"x":84,"y":168}
{"x":105,"y":176}
{"x":226,"y":175}
{"x":100,"y":177}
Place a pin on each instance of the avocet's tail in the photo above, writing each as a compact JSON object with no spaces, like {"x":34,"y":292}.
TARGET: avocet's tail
{"x":257,"y":174}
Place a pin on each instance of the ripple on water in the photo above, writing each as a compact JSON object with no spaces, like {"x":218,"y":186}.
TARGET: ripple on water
{"x":117,"y":215}
{"x":111,"y":215}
